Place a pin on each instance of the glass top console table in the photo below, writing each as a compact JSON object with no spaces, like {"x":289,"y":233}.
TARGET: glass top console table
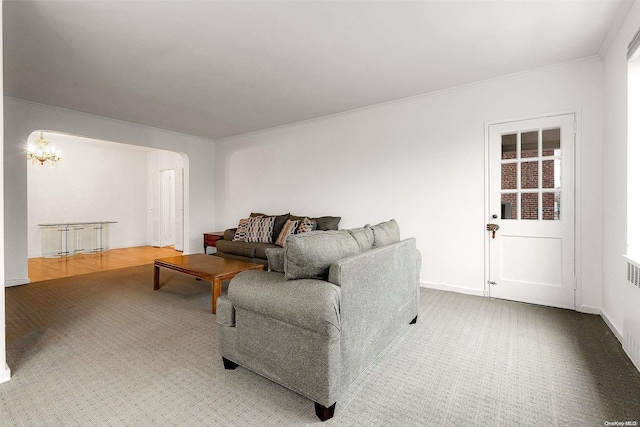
{"x":71,"y":238}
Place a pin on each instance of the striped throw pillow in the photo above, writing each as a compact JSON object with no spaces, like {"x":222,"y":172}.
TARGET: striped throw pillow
{"x":288,"y":228}
{"x":260,"y":229}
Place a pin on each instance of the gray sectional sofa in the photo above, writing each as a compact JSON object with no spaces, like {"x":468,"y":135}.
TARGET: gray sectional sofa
{"x":329,"y":304}
{"x":256,"y":252}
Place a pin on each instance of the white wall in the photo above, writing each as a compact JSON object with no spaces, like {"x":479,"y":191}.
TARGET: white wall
{"x":5,"y":373}
{"x":22,"y":118}
{"x":95,"y":181}
{"x":614,"y":156}
{"x":420,"y":161}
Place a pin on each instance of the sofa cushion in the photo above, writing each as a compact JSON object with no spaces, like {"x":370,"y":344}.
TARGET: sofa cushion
{"x":288,"y":228}
{"x":275,"y":258}
{"x":309,"y":304}
{"x":261,"y":249}
{"x":363,"y":236}
{"x":260,"y":229}
{"x":236,"y":248}
{"x":309,"y":255}
{"x":386,"y":233}
{"x":322,"y":222}
{"x":327,"y":222}
{"x":230,"y":233}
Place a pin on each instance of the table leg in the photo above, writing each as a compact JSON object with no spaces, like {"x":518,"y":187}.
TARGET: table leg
{"x":156,"y":277}
{"x":216,"y":291}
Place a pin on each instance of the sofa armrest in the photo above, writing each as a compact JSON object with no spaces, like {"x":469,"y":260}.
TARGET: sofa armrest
{"x":306,"y":303}
{"x":380,"y":295}
{"x":226,"y":314}
{"x":229,"y":233}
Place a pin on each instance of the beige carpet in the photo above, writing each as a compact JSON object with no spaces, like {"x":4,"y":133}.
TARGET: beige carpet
{"x":105,"y":349}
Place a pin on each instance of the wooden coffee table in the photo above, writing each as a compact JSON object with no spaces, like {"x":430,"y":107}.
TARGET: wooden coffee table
{"x":207,"y":267}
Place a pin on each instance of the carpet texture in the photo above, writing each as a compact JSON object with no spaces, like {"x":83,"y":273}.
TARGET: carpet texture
{"x":104,"y":349}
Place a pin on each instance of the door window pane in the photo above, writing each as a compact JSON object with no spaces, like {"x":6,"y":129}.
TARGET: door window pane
{"x":509,"y":177}
{"x":551,"y":142}
{"x":529,"y":205}
{"x":509,"y":206}
{"x":509,"y":146}
{"x":529,"y":144}
{"x":529,"y":174}
{"x":551,"y":173}
{"x":551,"y":206}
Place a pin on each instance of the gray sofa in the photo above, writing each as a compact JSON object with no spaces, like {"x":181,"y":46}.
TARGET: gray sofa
{"x":331,"y":302}
{"x":256,"y":252}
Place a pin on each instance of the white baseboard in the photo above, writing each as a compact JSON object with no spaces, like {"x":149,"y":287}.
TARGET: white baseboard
{"x":614,"y":328}
{"x":5,"y":375}
{"x":453,"y":288}
{"x":15,"y":282}
{"x":589,"y":309}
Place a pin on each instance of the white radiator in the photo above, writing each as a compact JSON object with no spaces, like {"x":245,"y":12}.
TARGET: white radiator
{"x":631,"y":323}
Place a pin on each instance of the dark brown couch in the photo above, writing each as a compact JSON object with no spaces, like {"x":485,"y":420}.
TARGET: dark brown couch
{"x":255,"y":252}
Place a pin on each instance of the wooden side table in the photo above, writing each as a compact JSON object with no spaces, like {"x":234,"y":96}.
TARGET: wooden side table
{"x":210,"y":239}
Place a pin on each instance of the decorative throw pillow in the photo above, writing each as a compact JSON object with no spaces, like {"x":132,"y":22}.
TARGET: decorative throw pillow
{"x":260,"y":229}
{"x":288,"y":229}
{"x":386,"y":233}
{"x":310,"y":255}
{"x":305,"y":226}
{"x":277,"y":224}
{"x":364,"y":237}
{"x":327,"y":222}
{"x":241,"y":232}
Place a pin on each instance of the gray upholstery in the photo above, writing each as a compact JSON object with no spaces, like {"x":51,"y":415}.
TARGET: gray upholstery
{"x":385,"y":233}
{"x":275,"y":259}
{"x":309,"y":255}
{"x":225,"y":312}
{"x":363,"y":236}
{"x":308,"y":303}
{"x":315,"y":336}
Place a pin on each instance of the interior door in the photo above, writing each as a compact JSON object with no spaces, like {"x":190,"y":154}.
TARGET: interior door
{"x":167,"y":207}
{"x":531,"y":211}
{"x":179,"y":209}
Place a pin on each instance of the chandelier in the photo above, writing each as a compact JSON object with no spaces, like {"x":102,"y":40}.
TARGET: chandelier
{"x":42,"y":153}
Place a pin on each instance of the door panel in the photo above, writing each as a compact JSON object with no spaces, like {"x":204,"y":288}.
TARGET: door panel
{"x":537,"y":252}
{"x":531,"y":200}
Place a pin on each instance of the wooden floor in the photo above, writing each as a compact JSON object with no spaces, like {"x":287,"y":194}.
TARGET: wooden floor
{"x":55,"y":268}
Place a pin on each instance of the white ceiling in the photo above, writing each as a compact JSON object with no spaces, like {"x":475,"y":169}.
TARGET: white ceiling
{"x":221,"y":68}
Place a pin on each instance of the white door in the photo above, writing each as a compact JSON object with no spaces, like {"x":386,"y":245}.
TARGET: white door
{"x":531,"y":200}
{"x":167,"y":207}
{"x":155,"y":209}
{"x":179,"y":209}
